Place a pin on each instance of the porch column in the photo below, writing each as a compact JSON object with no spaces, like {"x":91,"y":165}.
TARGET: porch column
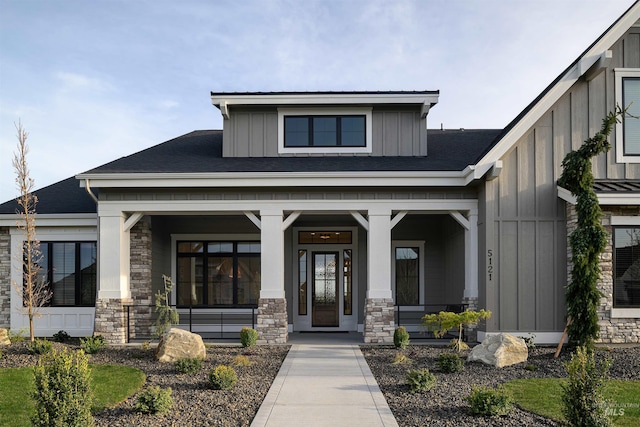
{"x":113,"y":278}
{"x":470,"y":295}
{"x":272,"y":322}
{"x":379,"y":323}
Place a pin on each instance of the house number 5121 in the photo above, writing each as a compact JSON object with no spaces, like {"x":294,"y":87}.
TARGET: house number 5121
{"x":490,"y":264}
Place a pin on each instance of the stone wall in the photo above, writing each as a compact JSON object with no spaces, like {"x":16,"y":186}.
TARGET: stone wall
{"x":110,"y":321}
{"x":379,"y":320}
{"x":140,"y":280}
{"x":272,"y":323}
{"x":5,"y":278}
{"x":471,"y":332}
{"x":612,"y":330}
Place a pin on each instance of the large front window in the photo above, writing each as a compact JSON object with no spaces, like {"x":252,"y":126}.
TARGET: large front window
{"x":70,"y":270}
{"x":214,"y":274}
{"x":626,"y":260}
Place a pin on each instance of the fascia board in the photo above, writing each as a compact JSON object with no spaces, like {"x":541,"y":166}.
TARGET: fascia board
{"x":280,"y":179}
{"x":54,"y":220}
{"x":565,"y":83}
{"x":604,"y":199}
{"x":325,"y":99}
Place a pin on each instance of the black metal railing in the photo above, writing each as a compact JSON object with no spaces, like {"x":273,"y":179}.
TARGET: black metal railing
{"x":410,"y":316}
{"x":210,"y":323}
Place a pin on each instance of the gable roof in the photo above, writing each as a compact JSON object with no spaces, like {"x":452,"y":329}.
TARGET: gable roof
{"x":64,"y":196}
{"x":552,"y":93}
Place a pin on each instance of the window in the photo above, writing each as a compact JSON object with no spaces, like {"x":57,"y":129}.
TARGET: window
{"x":214,"y":274}
{"x":626,"y":261}
{"x":70,"y":269}
{"x":407,"y":275}
{"x":324,"y":131}
{"x":305,"y":130}
{"x":628,"y":131}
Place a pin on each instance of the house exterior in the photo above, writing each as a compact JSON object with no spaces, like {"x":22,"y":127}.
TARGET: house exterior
{"x":340,"y":211}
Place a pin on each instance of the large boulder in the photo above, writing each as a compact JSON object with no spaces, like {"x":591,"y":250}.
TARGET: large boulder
{"x":500,"y":350}
{"x":4,"y":336}
{"x":179,"y":344}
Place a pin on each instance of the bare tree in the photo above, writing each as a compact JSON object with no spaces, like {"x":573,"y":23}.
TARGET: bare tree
{"x":34,"y":287}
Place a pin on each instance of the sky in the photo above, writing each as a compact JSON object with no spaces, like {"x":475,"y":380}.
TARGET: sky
{"x":95,"y":80}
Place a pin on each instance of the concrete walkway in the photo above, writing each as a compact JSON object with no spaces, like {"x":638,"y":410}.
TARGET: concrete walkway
{"x":324,"y":385}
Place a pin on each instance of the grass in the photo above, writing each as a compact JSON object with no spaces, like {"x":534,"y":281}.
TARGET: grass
{"x":543,"y":396}
{"x":112,"y":384}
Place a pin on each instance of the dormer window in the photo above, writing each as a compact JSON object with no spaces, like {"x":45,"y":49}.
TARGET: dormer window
{"x":304,"y":130}
{"x":628,"y":130}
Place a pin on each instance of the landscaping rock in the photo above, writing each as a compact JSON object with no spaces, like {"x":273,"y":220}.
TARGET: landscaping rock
{"x":4,"y":336}
{"x":500,"y":350}
{"x":179,"y":344}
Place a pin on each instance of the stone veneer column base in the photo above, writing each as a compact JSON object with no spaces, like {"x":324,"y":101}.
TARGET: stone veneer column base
{"x":111,"y":319}
{"x":471,"y":332}
{"x":379,"y":320}
{"x":272,"y":324}
{"x":5,"y":278}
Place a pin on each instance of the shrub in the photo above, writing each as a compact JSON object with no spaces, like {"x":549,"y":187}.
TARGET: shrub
{"x":222,"y":377}
{"x":92,"y":345}
{"x":248,"y":337}
{"x":582,"y":399}
{"x":39,"y":346}
{"x":490,"y":402}
{"x":401,"y":359}
{"x":188,"y":365}
{"x":450,"y":363}
{"x":63,"y":393}
{"x":440,"y":323}
{"x":241,"y":360}
{"x":420,"y":380}
{"x":531,"y":367}
{"x":16,"y":337}
{"x":401,"y":337}
{"x":154,"y":400}
{"x":61,"y":336}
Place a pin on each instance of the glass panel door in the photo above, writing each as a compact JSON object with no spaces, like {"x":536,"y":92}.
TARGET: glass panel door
{"x":325,"y":303}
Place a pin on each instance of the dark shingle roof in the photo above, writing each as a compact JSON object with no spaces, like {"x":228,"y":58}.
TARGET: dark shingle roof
{"x":62,"y":197}
{"x":201,"y":151}
{"x":616,"y":186}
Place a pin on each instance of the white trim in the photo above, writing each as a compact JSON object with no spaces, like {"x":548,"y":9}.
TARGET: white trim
{"x":54,"y":220}
{"x":604,"y":199}
{"x":625,"y":313}
{"x":132,"y":221}
{"x":625,"y":220}
{"x":396,"y":219}
{"x":621,"y":73}
{"x":538,"y":337}
{"x":421,"y":266}
{"x":328,"y":111}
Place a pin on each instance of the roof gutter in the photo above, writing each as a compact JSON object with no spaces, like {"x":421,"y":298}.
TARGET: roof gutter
{"x":87,"y":187}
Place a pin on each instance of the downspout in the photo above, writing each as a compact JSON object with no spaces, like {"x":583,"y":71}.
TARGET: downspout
{"x":87,"y":186}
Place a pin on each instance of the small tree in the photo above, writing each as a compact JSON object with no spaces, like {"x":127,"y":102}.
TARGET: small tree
{"x":442,"y":322}
{"x":167,"y":316}
{"x":34,"y":287}
{"x":589,"y":238}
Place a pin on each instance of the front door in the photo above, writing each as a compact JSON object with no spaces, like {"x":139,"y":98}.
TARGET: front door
{"x":324,"y":295}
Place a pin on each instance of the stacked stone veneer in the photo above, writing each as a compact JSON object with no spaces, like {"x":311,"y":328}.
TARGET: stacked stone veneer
{"x":471,"y":331}
{"x":272,"y":324}
{"x":379,"y":320}
{"x":5,"y":278}
{"x":612,"y":330}
{"x":111,"y":319}
{"x":140,"y":281}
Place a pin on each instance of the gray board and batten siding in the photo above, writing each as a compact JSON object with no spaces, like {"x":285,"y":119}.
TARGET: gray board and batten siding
{"x":251,"y":132}
{"x":522,"y":229}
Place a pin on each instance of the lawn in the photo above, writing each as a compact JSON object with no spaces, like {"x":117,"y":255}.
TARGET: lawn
{"x":112,"y":384}
{"x":543,"y":396}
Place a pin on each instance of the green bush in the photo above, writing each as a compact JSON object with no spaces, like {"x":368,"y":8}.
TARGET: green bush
{"x":188,"y":365}
{"x":39,"y":346}
{"x":490,"y":402}
{"x":582,"y":399}
{"x":401,"y":337}
{"x":248,"y":337}
{"x":61,"y":336}
{"x":420,"y":380}
{"x":154,"y":400}
{"x":16,"y":337}
{"x":450,"y":363}
{"x":92,"y":345}
{"x":222,"y":377}
{"x":63,"y":393}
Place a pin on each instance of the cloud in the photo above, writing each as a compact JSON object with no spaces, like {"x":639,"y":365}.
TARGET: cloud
{"x":73,"y":81}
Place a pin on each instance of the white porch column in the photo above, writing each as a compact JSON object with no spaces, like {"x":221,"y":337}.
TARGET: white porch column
{"x":471,"y":255}
{"x":113,"y":278}
{"x":379,"y":318}
{"x":272,"y":322}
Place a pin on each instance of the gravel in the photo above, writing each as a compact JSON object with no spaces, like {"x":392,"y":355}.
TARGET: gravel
{"x":445,"y":404}
{"x":195,"y":404}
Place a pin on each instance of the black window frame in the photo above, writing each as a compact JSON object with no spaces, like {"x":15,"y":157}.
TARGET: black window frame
{"x":628,"y":103}
{"x":205,"y":255}
{"x":310,"y":130}
{"x":635,"y":257}
{"x":49,"y":272}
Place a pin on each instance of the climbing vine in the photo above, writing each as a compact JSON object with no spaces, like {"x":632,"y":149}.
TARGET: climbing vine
{"x":589,"y":238}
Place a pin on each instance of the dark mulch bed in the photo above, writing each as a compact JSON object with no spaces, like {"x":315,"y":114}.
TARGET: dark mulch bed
{"x":445,"y":404}
{"x":195,"y":404}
